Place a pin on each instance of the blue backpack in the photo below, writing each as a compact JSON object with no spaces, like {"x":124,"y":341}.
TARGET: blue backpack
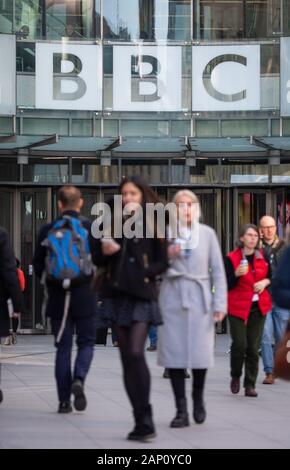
{"x":69,"y":259}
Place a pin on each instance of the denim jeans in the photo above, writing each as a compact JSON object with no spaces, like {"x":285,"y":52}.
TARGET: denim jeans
{"x":153,"y":335}
{"x":85,"y":328}
{"x":275,"y":326}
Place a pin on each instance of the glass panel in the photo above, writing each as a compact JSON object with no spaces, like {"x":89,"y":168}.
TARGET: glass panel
{"x":180,"y":128}
{"x":6,"y":16}
{"x":93,"y":172}
{"x":37,"y":172}
{"x":286,"y":127}
{"x":6,"y":212}
{"x":275,"y":124}
{"x":145,"y":128}
{"x":69,"y":18}
{"x":6,"y":125}
{"x":40,"y":126}
{"x":180,"y":173}
{"x":238,"y":173}
{"x":236,"y":19}
{"x":98,"y":128}
{"x":207,"y":128}
{"x":40,"y":215}
{"x":207,"y":205}
{"x":9,"y":170}
{"x":282,"y":206}
{"x":147,"y":19}
{"x":270,"y":76}
{"x":25,"y":57}
{"x":82,"y":127}
{"x":205,"y":172}
{"x":281,"y":173}
{"x":153,"y":171}
{"x":219,"y":19}
{"x":245,"y":128}
{"x":28,"y":19}
{"x":262,"y":18}
{"x":26,"y":257}
{"x":251,"y":207}
{"x":286,"y":17}
{"x":111,"y":128}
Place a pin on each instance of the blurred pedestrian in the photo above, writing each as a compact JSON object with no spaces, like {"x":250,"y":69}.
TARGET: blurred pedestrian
{"x":277,"y":319}
{"x":248,"y":276}
{"x":63,"y":259}
{"x":190,"y":308}
{"x":129,"y":294}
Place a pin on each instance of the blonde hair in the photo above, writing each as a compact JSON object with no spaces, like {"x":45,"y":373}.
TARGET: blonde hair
{"x":194,"y":199}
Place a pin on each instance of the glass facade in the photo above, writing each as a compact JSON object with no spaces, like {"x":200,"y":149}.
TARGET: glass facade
{"x":233,"y":188}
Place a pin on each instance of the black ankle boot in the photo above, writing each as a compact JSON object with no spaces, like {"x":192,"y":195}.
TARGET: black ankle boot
{"x":199,"y":412}
{"x":144,"y":428}
{"x":181,"y":419}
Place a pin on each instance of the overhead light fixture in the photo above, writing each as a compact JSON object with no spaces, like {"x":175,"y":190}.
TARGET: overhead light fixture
{"x":22,"y":156}
{"x":106,"y":158}
{"x":274,"y":157}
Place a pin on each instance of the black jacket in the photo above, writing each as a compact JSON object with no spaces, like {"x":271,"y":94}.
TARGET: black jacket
{"x":9,"y":284}
{"x":281,"y":282}
{"x":83,"y":299}
{"x":133,"y":270}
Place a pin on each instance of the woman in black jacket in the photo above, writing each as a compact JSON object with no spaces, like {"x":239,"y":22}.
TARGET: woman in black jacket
{"x":9,"y":286}
{"x":281,"y":281}
{"x":128,"y":297}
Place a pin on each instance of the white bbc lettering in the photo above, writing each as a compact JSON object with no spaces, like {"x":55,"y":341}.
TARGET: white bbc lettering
{"x":226,"y":78}
{"x":68,"y":76}
{"x":147,"y":78}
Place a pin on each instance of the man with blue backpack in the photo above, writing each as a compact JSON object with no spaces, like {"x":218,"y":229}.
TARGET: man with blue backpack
{"x":63,"y":259}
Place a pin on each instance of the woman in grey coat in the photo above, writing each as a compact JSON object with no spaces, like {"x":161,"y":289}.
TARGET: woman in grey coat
{"x":193,"y":297}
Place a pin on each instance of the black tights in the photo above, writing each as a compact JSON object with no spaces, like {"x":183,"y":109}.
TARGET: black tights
{"x":135,"y":371}
{"x":178,"y":382}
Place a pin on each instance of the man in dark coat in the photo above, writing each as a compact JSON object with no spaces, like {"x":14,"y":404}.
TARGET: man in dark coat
{"x":281,"y":281}
{"x":9,"y":286}
{"x":81,"y":314}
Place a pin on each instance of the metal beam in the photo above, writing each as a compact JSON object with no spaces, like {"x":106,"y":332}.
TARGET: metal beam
{"x":8,"y":138}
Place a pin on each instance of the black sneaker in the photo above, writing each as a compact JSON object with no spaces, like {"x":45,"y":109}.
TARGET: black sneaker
{"x":1,"y":396}
{"x":166,"y":374}
{"x":151,"y":348}
{"x":64,"y":407}
{"x":80,"y":401}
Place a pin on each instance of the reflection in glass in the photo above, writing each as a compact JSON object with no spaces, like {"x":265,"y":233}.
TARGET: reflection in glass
{"x":236,"y":19}
{"x":147,"y":19}
{"x":69,"y":18}
{"x":28,"y":19}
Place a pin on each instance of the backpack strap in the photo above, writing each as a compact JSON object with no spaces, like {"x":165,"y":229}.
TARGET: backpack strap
{"x":65,"y":315}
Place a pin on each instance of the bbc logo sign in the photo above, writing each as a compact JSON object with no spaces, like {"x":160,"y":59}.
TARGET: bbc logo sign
{"x":145,"y":78}
{"x":148,"y":78}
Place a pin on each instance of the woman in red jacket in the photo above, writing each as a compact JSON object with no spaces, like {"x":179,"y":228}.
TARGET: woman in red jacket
{"x":12,"y":338}
{"x":248,"y":304}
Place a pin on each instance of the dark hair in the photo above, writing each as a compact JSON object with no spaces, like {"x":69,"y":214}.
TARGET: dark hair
{"x":243,"y":230}
{"x":69,"y":196}
{"x":148,"y":195}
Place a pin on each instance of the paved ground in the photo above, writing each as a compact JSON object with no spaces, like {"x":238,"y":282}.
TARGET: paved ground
{"x":28,"y":418}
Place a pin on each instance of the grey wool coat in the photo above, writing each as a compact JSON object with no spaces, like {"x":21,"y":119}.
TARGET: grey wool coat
{"x":192,"y":290}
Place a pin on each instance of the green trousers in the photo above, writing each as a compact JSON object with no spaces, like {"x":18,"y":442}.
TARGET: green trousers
{"x":246,"y":342}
